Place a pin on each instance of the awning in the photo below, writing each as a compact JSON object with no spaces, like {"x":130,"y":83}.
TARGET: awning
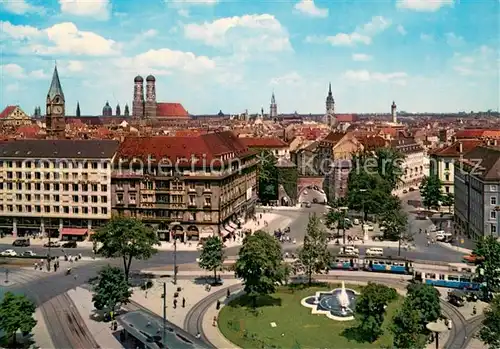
{"x":74,"y":231}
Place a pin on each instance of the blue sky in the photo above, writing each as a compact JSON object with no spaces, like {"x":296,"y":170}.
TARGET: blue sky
{"x":211,"y":55}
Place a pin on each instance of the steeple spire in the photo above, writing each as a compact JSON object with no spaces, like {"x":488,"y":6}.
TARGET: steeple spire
{"x":330,"y":89}
{"x":55,"y":86}
{"x":273,"y":100}
{"x":78,"y":113}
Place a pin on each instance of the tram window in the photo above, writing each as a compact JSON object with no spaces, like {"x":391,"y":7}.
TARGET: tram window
{"x":453,"y":278}
{"x":431,"y":276}
{"x":441,"y":277}
{"x":381,"y":262}
{"x":465,"y":279}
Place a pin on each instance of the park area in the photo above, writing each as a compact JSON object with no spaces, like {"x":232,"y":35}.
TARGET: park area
{"x":281,"y":321}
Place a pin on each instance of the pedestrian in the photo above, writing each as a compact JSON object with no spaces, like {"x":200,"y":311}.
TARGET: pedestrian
{"x":217,"y":305}
{"x":183,"y":302}
{"x":450,"y":325}
{"x":198,"y":335}
{"x":175,"y":303}
{"x":228,"y":294}
{"x":214,"y":322}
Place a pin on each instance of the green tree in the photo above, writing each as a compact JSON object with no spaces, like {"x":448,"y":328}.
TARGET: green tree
{"x":389,"y":165}
{"x":370,"y":310}
{"x":111,"y":290}
{"x":448,"y":200}
{"x":425,"y":298}
{"x":366,"y":191}
{"x":16,"y":313}
{"x":126,"y":238}
{"x":430,"y":190}
{"x":407,"y":328}
{"x":333,"y":219}
{"x":267,"y":176}
{"x":314,"y":255}
{"x":490,"y":332}
{"x":394,"y":223}
{"x":260,"y":265}
{"x":488,"y":270}
{"x":212,"y":255}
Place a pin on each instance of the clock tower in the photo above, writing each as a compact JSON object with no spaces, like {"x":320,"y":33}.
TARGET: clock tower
{"x":55,"y":122}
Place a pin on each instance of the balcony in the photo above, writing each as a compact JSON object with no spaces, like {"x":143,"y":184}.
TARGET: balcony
{"x":192,"y":205}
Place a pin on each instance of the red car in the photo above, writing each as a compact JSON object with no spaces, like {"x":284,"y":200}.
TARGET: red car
{"x":472,"y":258}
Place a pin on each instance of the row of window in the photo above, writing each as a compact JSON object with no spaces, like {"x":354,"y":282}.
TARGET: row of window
{"x":57,"y":198}
{"x":191,"y":216}
{"x":174,"y":199}
{"x":167,"y":185}
{"x":94,"y":165}
{"x":53,"y":209}
{"x":51,"y":176}
{"x":55,"y":187}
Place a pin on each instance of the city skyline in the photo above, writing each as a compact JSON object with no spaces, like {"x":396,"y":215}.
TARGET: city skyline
{"x":211,"y":55}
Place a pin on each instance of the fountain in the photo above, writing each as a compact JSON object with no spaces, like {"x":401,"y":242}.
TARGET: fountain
{"x":338,"y":304}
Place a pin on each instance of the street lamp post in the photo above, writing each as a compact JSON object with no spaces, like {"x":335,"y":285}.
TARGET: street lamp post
{"x":164,"y":314}
{"x":363,"y":228}
{"x":436,"y":327}
{"x":344,"y":210}
{"x":174,"y":224}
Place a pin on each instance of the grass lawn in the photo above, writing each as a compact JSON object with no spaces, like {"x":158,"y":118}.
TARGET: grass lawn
{"x":296,"y":326}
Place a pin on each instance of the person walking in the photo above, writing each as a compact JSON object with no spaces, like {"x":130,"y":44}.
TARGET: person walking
{"x":183,"y":302}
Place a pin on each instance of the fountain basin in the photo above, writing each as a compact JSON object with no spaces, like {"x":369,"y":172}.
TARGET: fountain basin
{"x":329,"y":303}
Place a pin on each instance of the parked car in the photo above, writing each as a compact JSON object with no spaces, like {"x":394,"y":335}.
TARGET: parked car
{"x":70,"y":244}
{"x":9,"y":253}
{"x":52,"y":244}
{"x":351,"y":251}
{"x":375,"y":251}
{"x":473,"y":258}
{"x":21,"y":242}
{"x":356,"y":221}
{"x":29,"y":254}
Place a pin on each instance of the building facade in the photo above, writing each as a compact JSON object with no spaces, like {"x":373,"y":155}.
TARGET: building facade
{"x":442,"y":162}
{"x":13,"y":115}
{"x":413,"y":165}
{"x":48,"y":186}
{"x":189,"y":188}
{"x":55,"y":115}
{"x":477,"y":193}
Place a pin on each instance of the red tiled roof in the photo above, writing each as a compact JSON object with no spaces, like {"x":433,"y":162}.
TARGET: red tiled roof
{"x":171,"y":110}
{"x":334,"y":137}
{"x":454,"y":149}
{"x":263,"y":142}
{"x":470,"y":133}
{"x":373,"y":142}
{"x":6,"y":112}
{"x":28,"y":130}
{"x":207,"y":147}
{"x":346,"y":117}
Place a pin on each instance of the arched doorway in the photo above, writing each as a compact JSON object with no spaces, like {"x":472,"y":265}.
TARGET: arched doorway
{"x":178,"y":232}
{"x":193,"y":234}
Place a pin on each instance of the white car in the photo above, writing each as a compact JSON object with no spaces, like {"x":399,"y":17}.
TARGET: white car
{"x":351,"y":250}
{"x":29,"y":254}
{"x":10,"y":253}
{"x":375,"y":251}
{"x":368,"y":227}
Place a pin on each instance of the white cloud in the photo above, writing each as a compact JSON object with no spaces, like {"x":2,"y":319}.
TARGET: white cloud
{"x":62,"y":38}
{"x":164,"y":61}
{"x":18,"y":72}
{"x":98,"y":9}
{"x":75,"y":66}
{"x":401,"y":30}
{"x":427,"y":38}
{"x":454,"y":40}
{"x":183,"y":6}
{"x":309,"y":8}
{"x":482,"y":62}
{"x":361,"y":57}
{"x":362,"y":35}
{"x":292,"y":78}
{"x":424,"y":5}
{"x":21,"y":7}
{"x":243,"y":34}
{"x":398,"y":78}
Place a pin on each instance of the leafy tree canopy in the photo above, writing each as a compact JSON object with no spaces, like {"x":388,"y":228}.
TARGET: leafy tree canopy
{"x":430,"y":190}
{"x":314,"y":255}
{"x":490,"y":332}
{"x":407,"y":328}
{"x":370,"y":309}
{"x":111,"y":289}
{"x":425,"y":298}
{"x":367,"y":191}
{"x":260,"y":265}
{"x":394,"y":223}
{"x":488,"y":270}
{"x":127,"y":238}
{"x":212,"y":255}
{"x":16,"y":313}
{"x":267,"y":176}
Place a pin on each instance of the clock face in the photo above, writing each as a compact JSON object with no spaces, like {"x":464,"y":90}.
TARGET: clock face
{"x":58,"y":109}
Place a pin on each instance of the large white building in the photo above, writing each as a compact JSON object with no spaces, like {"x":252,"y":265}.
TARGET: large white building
{"x":413,"y":165}
{"x":56,"y":187}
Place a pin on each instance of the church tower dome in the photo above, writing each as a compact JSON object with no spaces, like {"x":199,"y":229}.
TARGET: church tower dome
{"x":150,"y":78}
{"x":138,"y":78}
{"x":107,"y":110}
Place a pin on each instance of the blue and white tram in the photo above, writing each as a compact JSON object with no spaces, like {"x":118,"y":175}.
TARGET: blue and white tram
{"x":454,"y":279}
{"x":346,"y":262}
{"x":388,"y":265}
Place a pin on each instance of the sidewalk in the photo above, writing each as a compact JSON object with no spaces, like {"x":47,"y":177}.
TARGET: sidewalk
{"x":193,"y":291}
{"x":41,"y":334}
{"x":454,"y":248}
{"x":100,"y":330}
